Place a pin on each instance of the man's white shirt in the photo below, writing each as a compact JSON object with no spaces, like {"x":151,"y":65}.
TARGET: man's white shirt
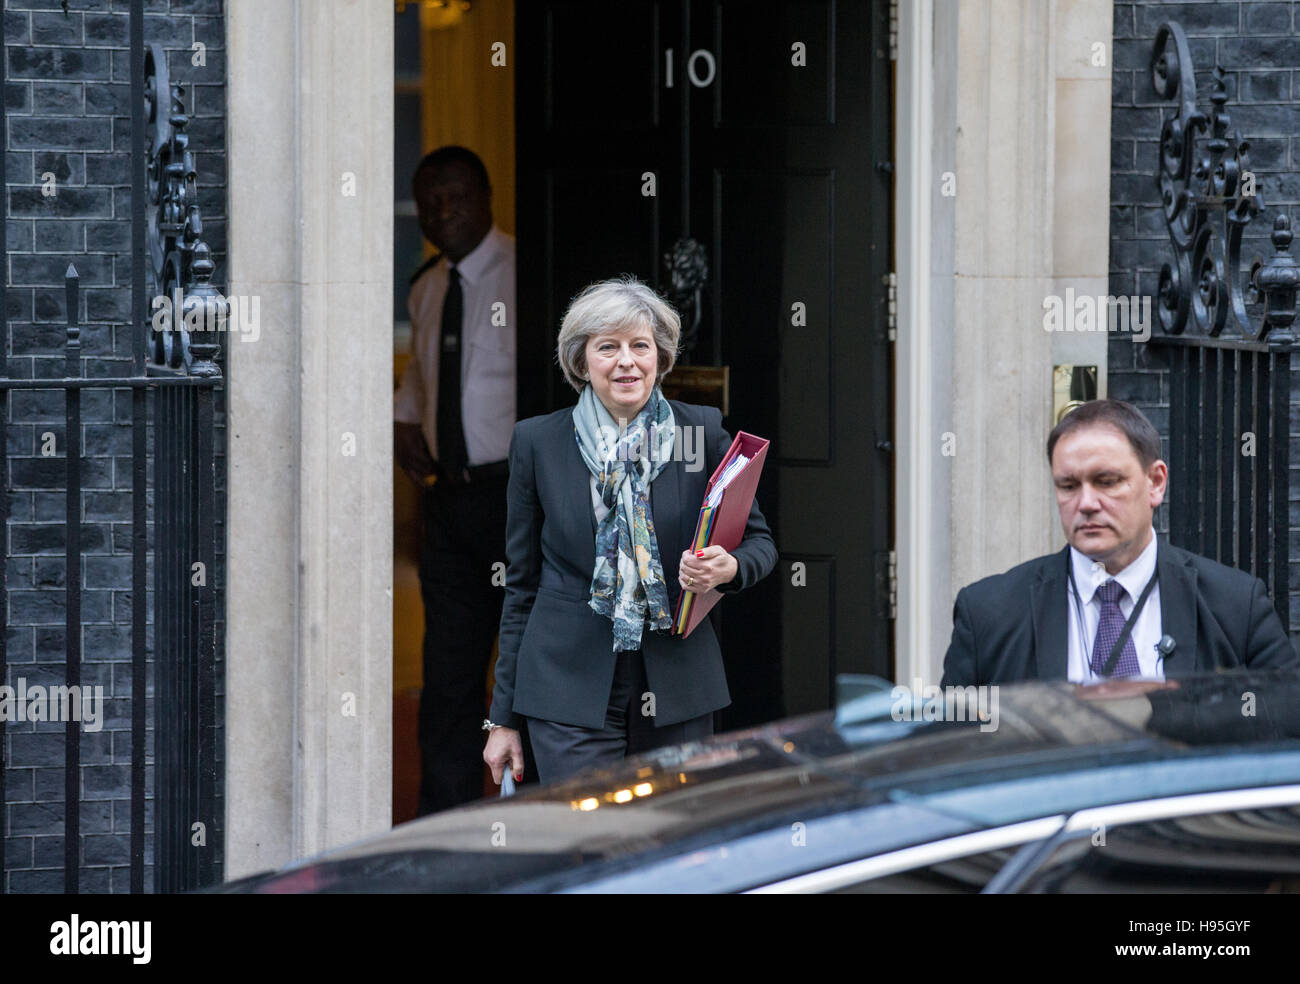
{"x":1089,"y":576}
{"x":487,"y":368}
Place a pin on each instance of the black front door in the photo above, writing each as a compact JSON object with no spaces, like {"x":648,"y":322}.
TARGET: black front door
{"x":761,"y":131}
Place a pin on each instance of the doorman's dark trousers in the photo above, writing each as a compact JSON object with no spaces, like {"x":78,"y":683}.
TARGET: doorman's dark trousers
{"x":464,"y":536}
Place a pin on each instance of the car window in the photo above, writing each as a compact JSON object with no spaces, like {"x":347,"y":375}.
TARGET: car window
{"x":1230,"y":851}
{"x":961,"y":864}
{"x":958,"y":876}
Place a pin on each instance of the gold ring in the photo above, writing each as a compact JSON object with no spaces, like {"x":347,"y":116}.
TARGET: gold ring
{"x":690,"y":581}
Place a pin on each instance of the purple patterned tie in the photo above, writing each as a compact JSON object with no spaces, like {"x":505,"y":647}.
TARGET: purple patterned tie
{"x":1108,"y":630}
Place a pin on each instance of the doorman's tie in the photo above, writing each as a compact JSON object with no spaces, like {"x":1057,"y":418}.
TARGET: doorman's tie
{"x":451,"y":432}
{"x":1108,"y":630}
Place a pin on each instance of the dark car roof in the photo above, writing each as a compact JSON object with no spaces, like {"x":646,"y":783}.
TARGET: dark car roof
{"x":1056,"y":747}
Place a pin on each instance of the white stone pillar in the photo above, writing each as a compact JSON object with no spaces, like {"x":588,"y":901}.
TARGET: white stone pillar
{"x":1084,"y":59}
{"x":923,"y":255}
{"x":309,"y":602}
{"x":1001,"y":506}
{"x":1003,"y":94}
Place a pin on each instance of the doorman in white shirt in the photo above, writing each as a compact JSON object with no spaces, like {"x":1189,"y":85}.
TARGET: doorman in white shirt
{"x":454,"y":413}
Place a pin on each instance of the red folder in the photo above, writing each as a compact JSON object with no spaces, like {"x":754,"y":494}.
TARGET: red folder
{"x":723,"y":524}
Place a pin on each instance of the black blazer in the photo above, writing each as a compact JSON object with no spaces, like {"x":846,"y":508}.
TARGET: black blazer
{"x":1013,"y":626}
{"x":556,"y":658}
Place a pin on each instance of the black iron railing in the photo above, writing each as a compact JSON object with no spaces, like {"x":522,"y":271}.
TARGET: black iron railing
{"x":1227,"y":327}
{"x":184,"y":373}
{"x":175,"y":370}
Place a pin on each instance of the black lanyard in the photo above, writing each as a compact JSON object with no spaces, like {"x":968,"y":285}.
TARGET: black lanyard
{"x":1125,"y":632}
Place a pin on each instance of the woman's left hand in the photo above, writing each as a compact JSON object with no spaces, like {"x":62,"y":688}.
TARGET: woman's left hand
{"x":707,"y":569}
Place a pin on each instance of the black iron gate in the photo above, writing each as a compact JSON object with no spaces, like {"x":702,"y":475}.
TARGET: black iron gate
{"x":1228,"y":334}
{"x":173,"y":381}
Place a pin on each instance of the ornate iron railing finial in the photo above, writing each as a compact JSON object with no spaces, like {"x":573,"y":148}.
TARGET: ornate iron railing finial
{"x":1209,"y":196}
{"x":181,"y":265}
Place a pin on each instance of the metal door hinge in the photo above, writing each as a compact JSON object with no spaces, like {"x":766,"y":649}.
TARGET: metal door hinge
{"x":887,"y":584}
{"x":890,"y":281}
{"x":893,"y":30}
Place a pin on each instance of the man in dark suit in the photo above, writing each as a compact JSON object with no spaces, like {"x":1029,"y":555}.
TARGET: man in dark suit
{"x":1114,"y":602}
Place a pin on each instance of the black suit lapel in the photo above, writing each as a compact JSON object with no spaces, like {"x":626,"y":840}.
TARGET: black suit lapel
{"x":1178,"y":610}
{"x":665,"y":507}
{"x":583,"y":513}
{"x":1051,"y":620}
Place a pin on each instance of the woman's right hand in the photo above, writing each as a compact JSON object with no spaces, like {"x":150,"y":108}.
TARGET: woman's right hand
{"x":504,"y":749}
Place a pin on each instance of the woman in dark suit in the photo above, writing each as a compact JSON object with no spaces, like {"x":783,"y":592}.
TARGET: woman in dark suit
{"x":601,"y":507}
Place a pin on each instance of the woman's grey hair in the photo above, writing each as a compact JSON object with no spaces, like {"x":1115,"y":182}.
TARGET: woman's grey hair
{"x":612,"y":305}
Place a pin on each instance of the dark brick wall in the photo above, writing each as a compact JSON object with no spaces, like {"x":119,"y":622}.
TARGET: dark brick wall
{"x":1257,"y":43}
{"x":67,"y":97}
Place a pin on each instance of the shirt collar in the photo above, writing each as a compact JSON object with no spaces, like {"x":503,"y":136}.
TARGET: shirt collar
{"x":1089,"y":575}
{"x":476,"y":262}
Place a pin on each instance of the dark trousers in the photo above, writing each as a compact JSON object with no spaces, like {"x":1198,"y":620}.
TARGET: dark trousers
{"x":464,"y":536}
{"x":561,"y":750}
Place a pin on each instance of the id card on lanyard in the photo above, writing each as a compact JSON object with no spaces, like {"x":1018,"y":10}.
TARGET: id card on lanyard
{"x":1127,"y":630}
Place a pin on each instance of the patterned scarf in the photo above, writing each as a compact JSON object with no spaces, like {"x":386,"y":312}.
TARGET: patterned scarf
{"x":627,"y":584}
